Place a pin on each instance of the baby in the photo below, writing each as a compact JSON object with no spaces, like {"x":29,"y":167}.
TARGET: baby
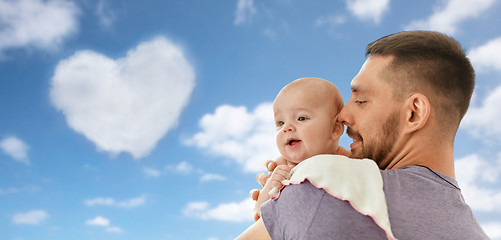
{"x":305,"y":118}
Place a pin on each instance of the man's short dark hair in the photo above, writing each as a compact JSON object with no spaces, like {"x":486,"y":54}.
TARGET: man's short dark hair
{"x":431,"y":63}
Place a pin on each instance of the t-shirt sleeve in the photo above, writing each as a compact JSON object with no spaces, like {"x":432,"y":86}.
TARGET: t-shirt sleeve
{"x":290,"y":216}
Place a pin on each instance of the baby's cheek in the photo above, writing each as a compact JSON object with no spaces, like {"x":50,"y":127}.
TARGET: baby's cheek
{"x":282,"y":151}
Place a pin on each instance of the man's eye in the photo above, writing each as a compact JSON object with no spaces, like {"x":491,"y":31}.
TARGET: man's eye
{"x":301,"y":118}
{"x":360,"y":102}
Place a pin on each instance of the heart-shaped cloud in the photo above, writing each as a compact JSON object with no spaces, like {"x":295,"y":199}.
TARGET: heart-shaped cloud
{"x":128,"y":104}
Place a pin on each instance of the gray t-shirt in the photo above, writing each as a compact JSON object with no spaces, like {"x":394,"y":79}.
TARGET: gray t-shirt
{"x":422,"y":204}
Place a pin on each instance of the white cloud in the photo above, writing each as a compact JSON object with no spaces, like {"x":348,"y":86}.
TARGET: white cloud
{"x":330,"y":21}
{"x":32,"y":217}
{"x":103,"y":222}
{"x":8,"y":191}
{"x":231,"y":212}
{"x":245,"y":11}
{"x":105,"y":14}
{"x":133,"y":202}
{"x":487,"y":56}
{"x":114,"y":230}
{"x":483,"y":121}
{"x":182,"y":168}
{"x":151,"y":172}
{"x":493,"y":230}
{"x":194,"y":207}
{"x":13,"y":190}
{"x":90,"y":167}
{"x":128,"y":104}
{"x":211,"y":177}
{"x":447,"y":17}
{"x":103,"y":201}
{"x":15,"y":148}
{"x":248,"y":138}
{"x":472,"y":174}
{"x":368,"y":9}
{"x":43,"y":24}
{"x":270,"y":33}
{"x":98,"y":221}
{"x":100,"y":201}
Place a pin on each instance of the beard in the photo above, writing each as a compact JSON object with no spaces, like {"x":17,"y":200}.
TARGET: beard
{"x":382,"y":143}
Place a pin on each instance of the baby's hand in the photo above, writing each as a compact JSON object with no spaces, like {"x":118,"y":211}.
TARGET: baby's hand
{"x":281,"y":173}
{"x":271,"y":188}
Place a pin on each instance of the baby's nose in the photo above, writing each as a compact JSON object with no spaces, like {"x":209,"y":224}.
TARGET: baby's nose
{"x":288,"y":127}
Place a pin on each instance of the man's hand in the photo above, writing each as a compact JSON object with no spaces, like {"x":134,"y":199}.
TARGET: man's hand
{"x":274,"y":179}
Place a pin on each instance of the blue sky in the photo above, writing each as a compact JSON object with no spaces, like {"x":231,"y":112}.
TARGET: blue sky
{"x":150,"y":119}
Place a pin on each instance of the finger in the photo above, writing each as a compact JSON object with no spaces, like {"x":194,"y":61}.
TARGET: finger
{"x":271,"y":165}
{"x":254,"y":194}
{"x":274,"y":183}
{"x":261,"y":178}
{"x":279,"y":176}
{"x":256,"y":216}
{"x":267,"y":162}
{"x":274,"y":192}
{"x":281,"y":161}
{"x":258,"y":176}
{"x":281,"y":172}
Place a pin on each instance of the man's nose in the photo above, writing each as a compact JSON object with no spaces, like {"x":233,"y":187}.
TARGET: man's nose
{"x":344,"y":116}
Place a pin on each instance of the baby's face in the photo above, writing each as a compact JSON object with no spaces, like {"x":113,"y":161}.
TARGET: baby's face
{"x":304,"y":124}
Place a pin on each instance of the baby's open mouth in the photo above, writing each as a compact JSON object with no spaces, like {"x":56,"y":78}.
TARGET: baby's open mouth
{"x":293,"y":142}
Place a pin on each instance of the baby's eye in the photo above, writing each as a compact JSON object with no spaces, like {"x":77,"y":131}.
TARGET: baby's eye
{"x":301,"y":118}
{"x":280,"y":123}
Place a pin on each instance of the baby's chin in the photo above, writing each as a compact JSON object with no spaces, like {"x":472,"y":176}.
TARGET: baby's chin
{"x":293,"y":159}
{"x":294,"y":162}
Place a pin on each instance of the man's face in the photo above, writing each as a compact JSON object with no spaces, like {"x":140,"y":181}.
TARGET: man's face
{"x":372,"y":115}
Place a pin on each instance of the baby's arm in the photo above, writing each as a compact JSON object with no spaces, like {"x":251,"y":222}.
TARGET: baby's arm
{"x":270,"y":188}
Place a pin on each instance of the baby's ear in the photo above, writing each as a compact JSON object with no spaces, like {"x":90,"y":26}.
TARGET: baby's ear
{"x":338,"y":130}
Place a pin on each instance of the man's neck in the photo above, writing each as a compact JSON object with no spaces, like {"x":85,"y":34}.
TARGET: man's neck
{"x":432,"y":154}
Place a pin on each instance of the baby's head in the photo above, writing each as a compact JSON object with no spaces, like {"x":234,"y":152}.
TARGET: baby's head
{"x":305,"y":117}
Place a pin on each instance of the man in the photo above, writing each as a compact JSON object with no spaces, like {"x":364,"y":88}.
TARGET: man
{"x":406,"y":105}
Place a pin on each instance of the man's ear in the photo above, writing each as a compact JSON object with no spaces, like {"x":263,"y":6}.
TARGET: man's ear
{"x":417,"y":110}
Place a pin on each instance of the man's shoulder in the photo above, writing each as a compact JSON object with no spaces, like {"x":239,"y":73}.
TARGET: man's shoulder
{"x":418,"y":175}
{"x":417,"y":195}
